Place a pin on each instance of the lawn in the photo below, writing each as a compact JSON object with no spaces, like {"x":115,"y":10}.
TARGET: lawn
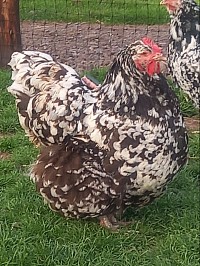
{"x":164,"y":233}
{"x":109,"y":12}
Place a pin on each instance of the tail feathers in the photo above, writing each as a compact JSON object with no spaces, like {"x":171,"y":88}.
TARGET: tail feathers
{"x":35,"y":71}
{"x":28,"y":57}
{"x":58,"y":177}
{"x":18,"y":90}
{"x":54,"y":162}
{"x":23,"y":67}
{"x":21,"y":63}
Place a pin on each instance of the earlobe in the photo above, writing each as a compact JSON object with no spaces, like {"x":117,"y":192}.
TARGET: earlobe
{"x":138,"y":65}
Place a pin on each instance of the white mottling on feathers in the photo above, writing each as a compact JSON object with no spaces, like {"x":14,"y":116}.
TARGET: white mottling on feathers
{"x":53,"y":131}
{"x":54,"y":193}
{"x":46,"y":183}
{"x":48,"y":165}
{"x":51,"y":139}
{"x":126,"y":170}
{"x":153,"y":113}
{"x":82,"y":188}
{"x":65,"y":188}
{"x":184,"y":49}
{"x":137,"y":145}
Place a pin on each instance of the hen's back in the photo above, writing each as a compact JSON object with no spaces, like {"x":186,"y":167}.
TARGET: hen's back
{"x":49,"y":96}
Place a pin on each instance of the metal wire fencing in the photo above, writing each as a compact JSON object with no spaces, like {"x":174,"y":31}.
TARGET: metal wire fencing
{"x":86,"y":34}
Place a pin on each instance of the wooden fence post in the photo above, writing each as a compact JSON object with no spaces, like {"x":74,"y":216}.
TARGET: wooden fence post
{"x":10,"y":37}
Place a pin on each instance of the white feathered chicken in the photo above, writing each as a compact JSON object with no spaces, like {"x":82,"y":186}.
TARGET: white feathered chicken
{"x":108,"y":148}
{"x":184,"y":46}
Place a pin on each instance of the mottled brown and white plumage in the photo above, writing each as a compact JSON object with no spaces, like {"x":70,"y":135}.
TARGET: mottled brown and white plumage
{"x":48,"y":111}
{"x":184,"y":46}
{"x":107,"y":148}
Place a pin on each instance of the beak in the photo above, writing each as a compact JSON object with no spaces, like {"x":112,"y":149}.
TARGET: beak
{"x":160,"y":58}
{"x":163,"y":58}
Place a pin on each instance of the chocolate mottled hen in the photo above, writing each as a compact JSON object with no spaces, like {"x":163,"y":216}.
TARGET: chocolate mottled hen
{"x":108,"y":148}
{"x":184,"y":46}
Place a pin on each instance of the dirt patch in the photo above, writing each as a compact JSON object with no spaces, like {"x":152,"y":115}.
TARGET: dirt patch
{"x":86,"y":46}
{"x":5,"y":135}
{"x":4,"y":155}
{"x":192,"y":124}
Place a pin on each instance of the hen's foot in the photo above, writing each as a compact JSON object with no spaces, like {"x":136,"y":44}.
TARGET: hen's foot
{"x":89,"y":82}
{"x":110,"y":222}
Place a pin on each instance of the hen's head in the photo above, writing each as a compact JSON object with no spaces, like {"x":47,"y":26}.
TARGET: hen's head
{"x":171,"y":5}
{"x":146,"y":56}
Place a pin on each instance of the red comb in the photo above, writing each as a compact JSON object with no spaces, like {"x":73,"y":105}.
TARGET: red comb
{"x":152,"y":44}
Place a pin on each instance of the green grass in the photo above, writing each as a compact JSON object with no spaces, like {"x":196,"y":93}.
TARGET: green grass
{"x":186,"y":104}
{"x":164,"y":233}
{"x":109,"y":12}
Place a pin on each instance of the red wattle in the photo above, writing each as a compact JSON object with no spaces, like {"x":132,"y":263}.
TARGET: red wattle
{"x":153,"y":67}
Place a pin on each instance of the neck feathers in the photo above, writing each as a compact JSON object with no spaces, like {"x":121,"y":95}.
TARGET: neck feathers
{"x":185,"y":23}
{"x":121,"y":86}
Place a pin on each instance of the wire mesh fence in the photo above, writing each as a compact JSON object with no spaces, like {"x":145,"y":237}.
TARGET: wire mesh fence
{"x":88,"y":33}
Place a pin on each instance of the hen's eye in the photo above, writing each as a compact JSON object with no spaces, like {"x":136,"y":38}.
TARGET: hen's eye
{"x":144,"y":53}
